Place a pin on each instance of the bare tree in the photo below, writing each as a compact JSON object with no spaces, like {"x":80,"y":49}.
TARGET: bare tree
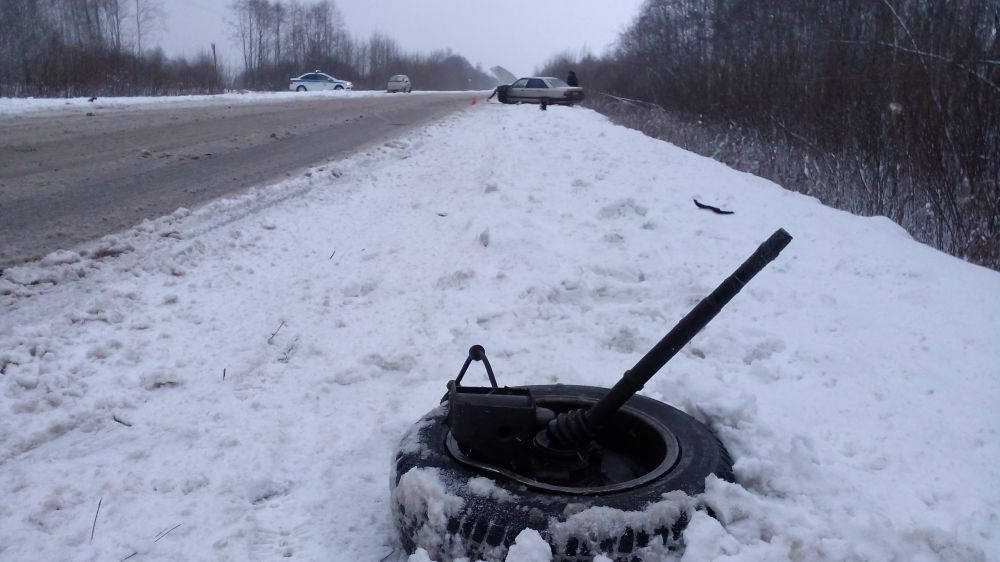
{"x":101,"y":47}
{"x":149,"y":16}
{"x":891,"y":106}
{"x":383,"y":54}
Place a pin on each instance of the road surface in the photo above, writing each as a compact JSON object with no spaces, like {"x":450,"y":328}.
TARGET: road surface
{"x":79,"y":174}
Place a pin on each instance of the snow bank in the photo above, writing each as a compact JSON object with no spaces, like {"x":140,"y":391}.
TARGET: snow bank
{"x":13,"y":106}
{"x":230,"y":382}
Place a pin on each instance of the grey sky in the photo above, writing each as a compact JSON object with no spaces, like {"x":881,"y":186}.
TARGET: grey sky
{"x":516,"y":34}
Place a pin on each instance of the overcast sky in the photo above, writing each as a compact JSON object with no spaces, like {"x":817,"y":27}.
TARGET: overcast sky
{"x":516,"y":34}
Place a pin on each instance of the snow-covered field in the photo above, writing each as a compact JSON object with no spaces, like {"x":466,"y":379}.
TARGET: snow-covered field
{"x":230,"y":382}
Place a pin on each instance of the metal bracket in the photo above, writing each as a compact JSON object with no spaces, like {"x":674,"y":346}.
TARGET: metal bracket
{"x":477,"y":353}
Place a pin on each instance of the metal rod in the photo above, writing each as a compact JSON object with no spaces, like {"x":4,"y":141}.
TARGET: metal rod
{"x":566,"y":436}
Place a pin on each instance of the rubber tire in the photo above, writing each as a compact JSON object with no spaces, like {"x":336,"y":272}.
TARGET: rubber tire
{"x":485,"y":527}
{"x":502,"y":93}
{"x":338,"y":87}
{"x":300,"y":89}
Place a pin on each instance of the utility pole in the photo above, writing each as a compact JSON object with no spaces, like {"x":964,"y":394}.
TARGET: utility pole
{"x":215,"y":70}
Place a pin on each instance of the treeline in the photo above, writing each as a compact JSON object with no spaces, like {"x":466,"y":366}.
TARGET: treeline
{"x":279,"y":40}
{"x":879,"y":107}
{"x":67,"y":48}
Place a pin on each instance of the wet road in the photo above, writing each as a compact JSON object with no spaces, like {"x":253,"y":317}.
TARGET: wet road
{"x":67,"y":177}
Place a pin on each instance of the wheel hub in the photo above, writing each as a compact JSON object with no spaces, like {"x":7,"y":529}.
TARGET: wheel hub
{"x":631,"y":450}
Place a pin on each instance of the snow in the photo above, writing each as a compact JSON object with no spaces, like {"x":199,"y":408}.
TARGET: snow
{"x":609,"y":522}
{"x":529,"y":546}
{"x":16,"y":106}
{"x":231,"y":382}
{"x":482,"y":486}
{"x":422,"y":490}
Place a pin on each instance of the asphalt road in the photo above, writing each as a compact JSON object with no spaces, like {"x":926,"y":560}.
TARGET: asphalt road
{"x":68,"y":177}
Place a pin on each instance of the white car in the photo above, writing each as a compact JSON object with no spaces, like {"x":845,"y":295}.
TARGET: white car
{"x":399,"y":83}
{"x":318,"y":81}
{"x":540,"y":89}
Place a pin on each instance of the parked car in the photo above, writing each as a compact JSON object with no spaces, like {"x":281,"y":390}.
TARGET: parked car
{"x":540,"y":89}
{"x":318,"y":81}
{"x":399,"y":83}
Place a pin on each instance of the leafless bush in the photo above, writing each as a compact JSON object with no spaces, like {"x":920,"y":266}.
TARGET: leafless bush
{"x":842,"y":179}
{"x":888,"y":107}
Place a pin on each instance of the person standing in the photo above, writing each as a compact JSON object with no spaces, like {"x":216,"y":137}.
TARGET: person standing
{"x":571,"y":79}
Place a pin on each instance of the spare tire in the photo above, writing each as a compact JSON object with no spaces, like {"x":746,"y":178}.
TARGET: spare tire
{"x":452,"y":510}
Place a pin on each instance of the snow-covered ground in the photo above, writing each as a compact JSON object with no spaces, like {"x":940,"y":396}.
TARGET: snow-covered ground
{"x":230,"y":382}
{"x":13,"y":106}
